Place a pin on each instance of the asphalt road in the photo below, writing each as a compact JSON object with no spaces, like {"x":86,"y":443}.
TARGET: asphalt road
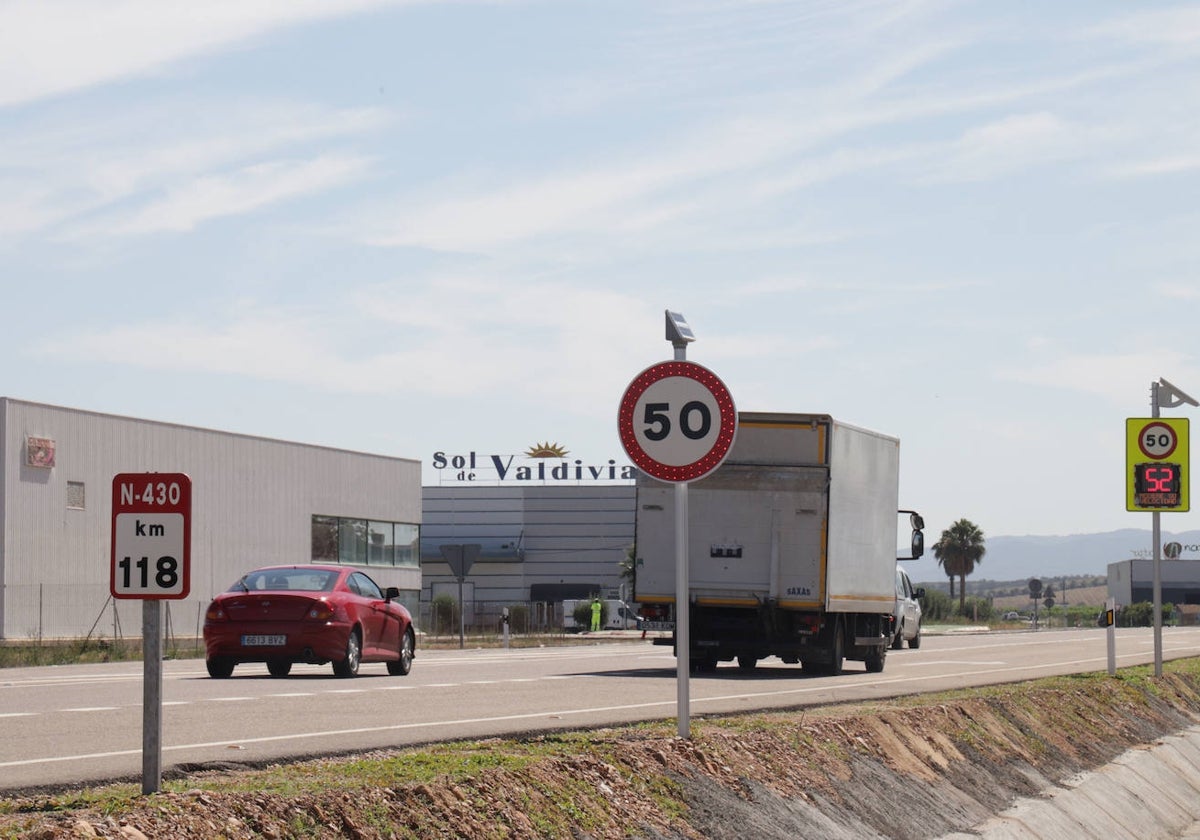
{"x":78,"y":724}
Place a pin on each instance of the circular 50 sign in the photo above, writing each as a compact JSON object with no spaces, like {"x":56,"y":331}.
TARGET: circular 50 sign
{"x":677,"y":421}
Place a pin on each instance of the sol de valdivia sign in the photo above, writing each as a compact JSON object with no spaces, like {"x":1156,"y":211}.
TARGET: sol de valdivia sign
{"x":541,"y":462}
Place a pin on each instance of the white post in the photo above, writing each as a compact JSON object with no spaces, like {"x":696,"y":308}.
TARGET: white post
{"x":1111,"y":605}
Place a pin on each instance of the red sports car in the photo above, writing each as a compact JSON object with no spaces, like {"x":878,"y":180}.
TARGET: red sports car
{"x":281,"y":615}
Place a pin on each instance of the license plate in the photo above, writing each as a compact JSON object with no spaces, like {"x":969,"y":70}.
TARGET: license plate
{"x":658,"y":625}
{"x":264,"y":641}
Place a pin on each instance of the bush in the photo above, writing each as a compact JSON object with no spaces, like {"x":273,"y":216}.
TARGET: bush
{"x":1142,"y":614}
{"x":445,"y":614}
{"x":518,"y":618}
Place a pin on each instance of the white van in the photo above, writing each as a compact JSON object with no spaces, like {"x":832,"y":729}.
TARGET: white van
{"x":619,"y":615}
{"x":906,"y":620}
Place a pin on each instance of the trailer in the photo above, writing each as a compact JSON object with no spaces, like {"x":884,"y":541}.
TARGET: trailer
{"x":792,"y":547}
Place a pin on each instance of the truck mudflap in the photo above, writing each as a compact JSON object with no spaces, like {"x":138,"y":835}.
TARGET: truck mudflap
{"x":817,"y":641}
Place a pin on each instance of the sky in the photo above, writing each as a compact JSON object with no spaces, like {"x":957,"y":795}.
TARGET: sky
{"x":411,"y":228}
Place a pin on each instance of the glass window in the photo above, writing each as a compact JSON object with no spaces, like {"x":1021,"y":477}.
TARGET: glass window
{"x":361,"y":542}
{"x":352,"y":541}
{"x":364,"y":586}
{"x":408,"y":545}
{"x":380,"y":551}
{"x":325,"y":539}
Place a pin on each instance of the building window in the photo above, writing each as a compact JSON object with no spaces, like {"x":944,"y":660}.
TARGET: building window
{"x":352,"y":541}
{"x":75,"y":495}
{"x":408,"y":545}
{"x":380,"y":550}
{"x":362,"y":542}
{"x":325,"y":539}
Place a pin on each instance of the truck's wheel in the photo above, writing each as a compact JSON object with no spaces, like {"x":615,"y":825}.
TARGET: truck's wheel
{"x":705,"y":664}
{"x":839,"y":651}
{"x":747,"y":662}
{"x":875,"y":659}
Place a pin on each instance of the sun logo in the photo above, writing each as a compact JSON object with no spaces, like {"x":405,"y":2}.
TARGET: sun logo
{"x":546,"y":450}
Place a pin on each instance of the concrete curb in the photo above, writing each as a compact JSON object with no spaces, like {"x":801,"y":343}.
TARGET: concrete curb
{"x":1145,"y":793}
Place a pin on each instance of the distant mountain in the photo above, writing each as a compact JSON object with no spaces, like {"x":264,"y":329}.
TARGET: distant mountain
{"x":1015,"y":558}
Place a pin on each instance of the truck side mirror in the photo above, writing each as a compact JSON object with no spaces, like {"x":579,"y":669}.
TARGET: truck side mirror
{"x":917,"y":545}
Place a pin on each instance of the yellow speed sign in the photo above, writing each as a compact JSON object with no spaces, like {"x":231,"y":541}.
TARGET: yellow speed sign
{"x":1156,"y":464}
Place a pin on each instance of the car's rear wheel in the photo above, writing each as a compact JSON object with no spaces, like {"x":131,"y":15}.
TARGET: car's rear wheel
{"x":400,"y":667}
{"x":219,"y":668}
{"x":279,"y":667}
{"x":348,"y":667}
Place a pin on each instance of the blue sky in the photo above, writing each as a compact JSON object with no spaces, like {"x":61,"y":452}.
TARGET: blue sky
{"x":412,"y":227}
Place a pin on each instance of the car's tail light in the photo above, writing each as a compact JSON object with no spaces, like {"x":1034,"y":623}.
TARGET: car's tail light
{"x":215,"y":613}
{"x":321,"y":611}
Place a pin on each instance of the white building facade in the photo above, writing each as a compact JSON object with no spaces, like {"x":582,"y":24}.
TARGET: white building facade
{"x":255,"y":502}
{"x":538,"y":542}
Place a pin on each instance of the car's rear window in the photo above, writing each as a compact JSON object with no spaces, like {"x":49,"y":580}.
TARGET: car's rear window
{"x":286,"y":580}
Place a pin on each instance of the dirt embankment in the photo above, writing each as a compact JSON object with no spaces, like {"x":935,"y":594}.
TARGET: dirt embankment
{"x":909,"y":768}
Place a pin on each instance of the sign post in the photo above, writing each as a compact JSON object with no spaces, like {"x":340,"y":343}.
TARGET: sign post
{"x":677,"y":422}
{"x":1157,"y":473}
{"x":151,"y":562}
{"x":460,"y":557}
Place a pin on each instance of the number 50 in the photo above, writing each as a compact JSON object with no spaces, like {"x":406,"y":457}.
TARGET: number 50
{"x":695,"y":420}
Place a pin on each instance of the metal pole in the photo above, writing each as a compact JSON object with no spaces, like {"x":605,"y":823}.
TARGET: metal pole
{"x":151,"y":695}
{"x":462,"y":615}
{"x":683,"y":647}
{"x":1156,"y":538}
{"x":683,"y":643}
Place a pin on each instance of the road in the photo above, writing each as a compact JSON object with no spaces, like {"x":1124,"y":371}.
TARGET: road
{"x":77,"y":724}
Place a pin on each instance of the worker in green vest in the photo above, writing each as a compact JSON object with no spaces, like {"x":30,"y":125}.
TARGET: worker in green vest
{"x":595,"y":614}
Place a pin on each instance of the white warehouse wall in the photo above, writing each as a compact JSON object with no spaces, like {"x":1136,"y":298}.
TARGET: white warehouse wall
{"x":253,"y":500}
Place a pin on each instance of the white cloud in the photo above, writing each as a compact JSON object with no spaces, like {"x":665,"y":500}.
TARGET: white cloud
{"x":51,"y":47}
{"x":480,"y":336}
{"x":54,"y":172}
{"x":1119,"y":378}
{"x":1007,"y":145}
{"x":243,"y":191}
{"x":1178,"y":291}
{"x":1171,"y":26}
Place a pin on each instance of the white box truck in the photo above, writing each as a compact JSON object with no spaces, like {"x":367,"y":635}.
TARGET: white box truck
{"x":792,"y":547}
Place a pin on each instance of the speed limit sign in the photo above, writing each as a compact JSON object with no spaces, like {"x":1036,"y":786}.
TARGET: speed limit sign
{"x":1156,"y":464}
{"x":677,"y":421}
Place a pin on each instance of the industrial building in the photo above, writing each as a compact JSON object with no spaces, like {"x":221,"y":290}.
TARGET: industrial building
{"x":1132,"y":581}
{"x":255,"y":502}
{"x":537,"y":542}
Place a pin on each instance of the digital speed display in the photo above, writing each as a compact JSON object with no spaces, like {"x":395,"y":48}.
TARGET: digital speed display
{"x":1157,"y":484}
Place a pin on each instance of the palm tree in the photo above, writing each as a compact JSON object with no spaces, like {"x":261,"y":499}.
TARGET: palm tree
{"x":628,"y":565}
{"x":958,"y":551}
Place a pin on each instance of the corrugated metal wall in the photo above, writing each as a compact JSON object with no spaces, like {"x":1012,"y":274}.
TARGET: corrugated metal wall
{"x":572,"y":534}
{"x":252,"y":504}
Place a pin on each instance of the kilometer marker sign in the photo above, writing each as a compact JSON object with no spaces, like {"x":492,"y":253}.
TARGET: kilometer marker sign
{"x":151,"y":536}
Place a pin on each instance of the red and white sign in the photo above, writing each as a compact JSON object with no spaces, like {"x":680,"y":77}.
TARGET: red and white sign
{"x":1157,"y":440}
{"x":151,"y":536}
{"x":677,"y":421}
